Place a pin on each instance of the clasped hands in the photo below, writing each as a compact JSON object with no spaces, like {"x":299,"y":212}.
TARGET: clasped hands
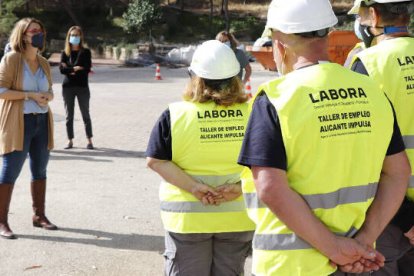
{"x":41,"y":98}
{"x":215,"y":196}
{"x":353,"y":256}
{"x":75,"y":68}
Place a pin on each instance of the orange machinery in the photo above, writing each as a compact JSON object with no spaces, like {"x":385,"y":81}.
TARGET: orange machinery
{"x":340,"y":43}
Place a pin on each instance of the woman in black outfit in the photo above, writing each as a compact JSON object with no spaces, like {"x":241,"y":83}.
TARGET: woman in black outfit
{"x":75,"y":64}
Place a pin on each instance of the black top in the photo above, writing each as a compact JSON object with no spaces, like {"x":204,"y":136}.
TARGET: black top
{"x":159,"y":145}
{"x":77,"y":58}
{"x":263,"y":143}
{"x":359,"y":67}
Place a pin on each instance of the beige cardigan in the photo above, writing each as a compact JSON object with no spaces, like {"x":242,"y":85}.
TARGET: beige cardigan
{"x":11,"y":112}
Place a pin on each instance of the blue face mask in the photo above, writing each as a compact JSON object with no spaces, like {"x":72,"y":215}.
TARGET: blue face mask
{"x":228,"y":44}
{"x":357,"y":30}
{"x":38,"y":40}
{"x":74,"y":40}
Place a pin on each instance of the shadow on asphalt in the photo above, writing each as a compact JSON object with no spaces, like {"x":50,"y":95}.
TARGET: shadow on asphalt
{"x":93,"y":155}
{"x":106,"y":239}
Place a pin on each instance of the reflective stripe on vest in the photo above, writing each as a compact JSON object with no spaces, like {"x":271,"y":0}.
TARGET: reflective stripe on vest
{"x":252,"y":201}
{"x":409,"y":141}
{"x":326,"y":201}
{"x":287,"y":241}
{"x":198,"y":207}
{"x":217,"y":180}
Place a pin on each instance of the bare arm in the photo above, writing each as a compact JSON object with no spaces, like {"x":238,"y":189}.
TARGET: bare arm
{"x":273,"y":189}
{"x":392,"y":187}
{"x":391,"y":190}
{"x":248,"y":73}
{"x":14,"y":95}
{"x":177,"y":177}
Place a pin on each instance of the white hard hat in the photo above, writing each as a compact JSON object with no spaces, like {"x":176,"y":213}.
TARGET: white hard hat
{"x":215,"y":61}
{"x":357,"y":4}
{"x":300,"y":16}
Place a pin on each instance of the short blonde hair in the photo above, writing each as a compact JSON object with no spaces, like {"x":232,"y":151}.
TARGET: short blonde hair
{"x":17,"y":35}
{"x":229,"y":93}
{"x":67,"y":43}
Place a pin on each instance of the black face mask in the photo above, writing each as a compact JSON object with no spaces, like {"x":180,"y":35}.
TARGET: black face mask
{"x":367,"y":35}
{"x":37,"y":40}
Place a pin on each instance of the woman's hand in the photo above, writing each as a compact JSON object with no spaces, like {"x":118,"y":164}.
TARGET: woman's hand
{"x":49,"y":96}
{"x":39,"y":98}
{"x":204,"y":193}
{"x":77,"y":68}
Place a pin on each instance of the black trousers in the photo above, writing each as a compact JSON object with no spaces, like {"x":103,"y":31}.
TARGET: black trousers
{"x":83,"y":95}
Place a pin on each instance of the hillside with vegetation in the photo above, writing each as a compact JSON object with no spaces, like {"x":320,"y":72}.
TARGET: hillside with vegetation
{"x":179,"y":20}
{"x":124,"y":23}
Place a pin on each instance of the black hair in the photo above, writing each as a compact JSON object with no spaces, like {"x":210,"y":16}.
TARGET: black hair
{"x":393,"y":12}
{"x":218,"y":85}
{"x":318,"y":33}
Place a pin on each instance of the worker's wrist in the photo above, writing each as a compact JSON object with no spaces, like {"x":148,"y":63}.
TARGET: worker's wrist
{"x":193,"y":187}
{"x":329,"y":246}
{"x":26,"y":96}
{"x":364,"y":238}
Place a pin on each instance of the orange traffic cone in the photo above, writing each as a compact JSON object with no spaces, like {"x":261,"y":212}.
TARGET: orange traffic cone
{"x":158,"y":72}
{"x":248,"y":89}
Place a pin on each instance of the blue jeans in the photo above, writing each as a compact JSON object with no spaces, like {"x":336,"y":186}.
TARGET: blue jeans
{"x":35,"y":144}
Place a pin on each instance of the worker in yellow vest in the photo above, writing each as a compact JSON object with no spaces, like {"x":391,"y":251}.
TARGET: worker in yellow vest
{"x":194,"y":148}
{"x":358,"y":47}
{"x":328,"y":164}
{"x":389,"y":61}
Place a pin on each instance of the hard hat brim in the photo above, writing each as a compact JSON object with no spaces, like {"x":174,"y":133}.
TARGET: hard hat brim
{"x":355,"y":9}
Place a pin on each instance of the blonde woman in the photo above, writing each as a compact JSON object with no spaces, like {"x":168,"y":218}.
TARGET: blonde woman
{"x":75,"y":64}
{"x":26,"y":121}
{"x":194,"y":148}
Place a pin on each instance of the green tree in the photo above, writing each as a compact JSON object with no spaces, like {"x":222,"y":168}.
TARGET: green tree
{"x":7,"y":16}
{"x":141,"y":15}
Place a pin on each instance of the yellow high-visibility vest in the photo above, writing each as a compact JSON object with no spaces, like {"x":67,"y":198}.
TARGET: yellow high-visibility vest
{"x":336,"y":128}
{"x":206,"y":140}
{"x":391,"y":64}
{"x":360,"y":46}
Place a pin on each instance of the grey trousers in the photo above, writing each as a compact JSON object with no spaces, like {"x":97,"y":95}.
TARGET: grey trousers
{"x":398,"y":252}
{"x":217,"y":254}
